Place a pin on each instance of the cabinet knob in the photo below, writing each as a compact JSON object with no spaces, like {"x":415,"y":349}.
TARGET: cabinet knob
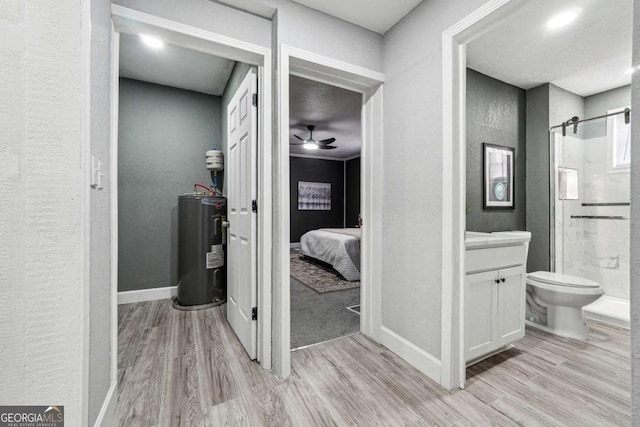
{"x":502,"y":280}
{"x":497,"y":280}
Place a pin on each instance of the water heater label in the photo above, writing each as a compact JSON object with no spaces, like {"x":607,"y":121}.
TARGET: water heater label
{"x":215,"y":258}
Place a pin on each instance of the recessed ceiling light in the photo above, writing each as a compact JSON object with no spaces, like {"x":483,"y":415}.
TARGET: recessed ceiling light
{"x":630,"y":71}
{"x":151,"y":41}
{"x":563,"y":18}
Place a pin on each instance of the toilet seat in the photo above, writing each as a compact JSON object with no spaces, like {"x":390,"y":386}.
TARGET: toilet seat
{"x":558,"y":279}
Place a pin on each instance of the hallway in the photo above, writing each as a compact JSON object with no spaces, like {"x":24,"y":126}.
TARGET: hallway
{"x":188,"y":369}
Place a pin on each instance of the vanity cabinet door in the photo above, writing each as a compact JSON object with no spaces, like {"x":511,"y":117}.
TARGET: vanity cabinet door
{"x":481,"y":316}
{"x":511,"y":304}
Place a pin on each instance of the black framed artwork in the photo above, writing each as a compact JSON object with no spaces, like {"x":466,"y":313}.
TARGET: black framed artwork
{"x":498,"y":176}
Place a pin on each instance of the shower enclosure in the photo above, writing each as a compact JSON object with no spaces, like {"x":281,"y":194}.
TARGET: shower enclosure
{"x":590,"y":207}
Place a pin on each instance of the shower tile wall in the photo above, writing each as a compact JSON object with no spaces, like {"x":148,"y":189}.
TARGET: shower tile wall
{"x":596,"y":249}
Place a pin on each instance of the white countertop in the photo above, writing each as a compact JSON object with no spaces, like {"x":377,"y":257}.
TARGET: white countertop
{"x":476,"y":240}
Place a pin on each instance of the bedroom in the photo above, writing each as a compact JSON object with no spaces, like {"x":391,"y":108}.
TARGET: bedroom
{"x":325,"y":145}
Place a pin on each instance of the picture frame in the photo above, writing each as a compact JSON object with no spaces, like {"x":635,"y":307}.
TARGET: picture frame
{"x":314,"y":196}
{"x":498,"y":171}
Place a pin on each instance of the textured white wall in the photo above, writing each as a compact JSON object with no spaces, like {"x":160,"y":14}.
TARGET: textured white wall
{"x":635,"y":224}
{"x":40,"y":271}
{"x":412,"y":234}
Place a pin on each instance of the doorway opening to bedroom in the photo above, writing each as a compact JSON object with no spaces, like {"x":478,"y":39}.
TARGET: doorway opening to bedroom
{"x":325,"y":142}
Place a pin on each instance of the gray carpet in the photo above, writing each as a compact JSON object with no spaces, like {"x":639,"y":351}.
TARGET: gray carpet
{"x":320,"y":317}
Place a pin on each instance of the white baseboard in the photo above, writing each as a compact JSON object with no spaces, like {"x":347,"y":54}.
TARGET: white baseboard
{"x":295,"y":245}
{"x":127,"y":297}
{"x":107,"y":415}
{"x":418,"y":358}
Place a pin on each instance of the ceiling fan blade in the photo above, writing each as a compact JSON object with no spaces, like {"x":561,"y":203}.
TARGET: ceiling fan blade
{"x":299,"y":138}
{"x":296,"y":143}
{"x":327,"y":141}
{"x":326,"y":147}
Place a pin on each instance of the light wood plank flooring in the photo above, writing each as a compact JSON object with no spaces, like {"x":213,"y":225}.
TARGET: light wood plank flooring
{"x":188,"y":369}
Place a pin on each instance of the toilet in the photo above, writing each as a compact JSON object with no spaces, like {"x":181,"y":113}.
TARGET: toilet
{"x":564,"y":296}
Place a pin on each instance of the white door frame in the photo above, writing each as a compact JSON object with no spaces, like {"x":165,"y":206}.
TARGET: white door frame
{"x":454,"y":66}
{"x":337,"y":73}
{"x":130,"y":21}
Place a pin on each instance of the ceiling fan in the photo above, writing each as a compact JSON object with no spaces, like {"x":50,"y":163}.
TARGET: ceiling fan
{"x":312,"y":144}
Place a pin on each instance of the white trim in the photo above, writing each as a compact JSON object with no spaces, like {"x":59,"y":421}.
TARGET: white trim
{"x":307,"y":156}
{"x":152,"y":294}
{"x":337,"y":73}
{"x":131,"y":21}
{"x":107,"y":415}
{"x":282,"y":233}
{"x":454,"y":40}
{"x":417,"y":357}
{"x":85,"y":205}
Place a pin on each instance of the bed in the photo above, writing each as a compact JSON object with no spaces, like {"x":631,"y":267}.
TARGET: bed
{"x":338,"y":247}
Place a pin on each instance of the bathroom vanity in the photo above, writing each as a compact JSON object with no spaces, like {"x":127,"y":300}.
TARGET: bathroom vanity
{"x":495,"y":291}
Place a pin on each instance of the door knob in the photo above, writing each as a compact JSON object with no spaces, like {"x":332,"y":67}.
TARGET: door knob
{"x":226,"y":224}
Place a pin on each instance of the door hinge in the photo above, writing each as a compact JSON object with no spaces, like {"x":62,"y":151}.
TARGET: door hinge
{"x":254,"y":313}
{"x":254,"y":206}
{"x":255,"y":99}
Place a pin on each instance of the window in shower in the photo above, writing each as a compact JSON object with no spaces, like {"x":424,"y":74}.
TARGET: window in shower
{"x":618,"y":141}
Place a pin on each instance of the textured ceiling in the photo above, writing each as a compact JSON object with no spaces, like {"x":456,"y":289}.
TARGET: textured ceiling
{"x":173,"y":66}
{"x":588,"y":56}
{"x":375,"y":15}
{"x":334,"y":111}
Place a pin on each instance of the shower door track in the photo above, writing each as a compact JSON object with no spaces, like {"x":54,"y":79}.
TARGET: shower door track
{"x":576,"y":122}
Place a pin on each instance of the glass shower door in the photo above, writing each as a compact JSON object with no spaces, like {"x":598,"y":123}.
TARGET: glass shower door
{"x":592,"y":203}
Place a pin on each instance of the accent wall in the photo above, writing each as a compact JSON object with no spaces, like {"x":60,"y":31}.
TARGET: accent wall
{"x":495,"y":115}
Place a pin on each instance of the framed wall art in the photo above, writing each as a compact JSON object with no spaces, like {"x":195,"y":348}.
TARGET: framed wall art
{"x":314,"y":196}
{"x":498,"y":179}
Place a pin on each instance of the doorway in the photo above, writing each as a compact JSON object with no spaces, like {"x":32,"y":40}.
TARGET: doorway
{"x":324,"y":163}
{"x":369,"y":85}
{"x":183,"y":40}
{"x":464,"y":45}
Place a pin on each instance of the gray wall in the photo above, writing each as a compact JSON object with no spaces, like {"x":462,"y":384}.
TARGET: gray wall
{"x":635,"y":226}
{"x":163,"y":135}
{"x":412,"y":191}
{"x":537,"y":159}
{"x":316,"y":170}
{"x":597,"y":105}
{"x":495,"y":115}
{"x":547,"y":105}
{"x":352,"y":192}
{"x":100,"y":287}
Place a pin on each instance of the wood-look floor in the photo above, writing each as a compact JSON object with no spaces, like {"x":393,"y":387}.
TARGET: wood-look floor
{"x":188,"y":369}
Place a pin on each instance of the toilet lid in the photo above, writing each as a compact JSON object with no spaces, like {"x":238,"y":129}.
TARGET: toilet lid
{"x":562,"y":280}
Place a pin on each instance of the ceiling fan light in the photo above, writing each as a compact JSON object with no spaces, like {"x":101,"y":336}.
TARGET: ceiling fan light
{"x":310,"y":146}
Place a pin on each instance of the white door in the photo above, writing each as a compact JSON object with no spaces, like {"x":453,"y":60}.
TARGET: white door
{"x":241,"y":173}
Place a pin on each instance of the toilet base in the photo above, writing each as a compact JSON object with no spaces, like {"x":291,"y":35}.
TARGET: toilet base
{"x":567,"y":322}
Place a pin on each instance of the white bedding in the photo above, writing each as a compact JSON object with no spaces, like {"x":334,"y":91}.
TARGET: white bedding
{"x":338,"y":247}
